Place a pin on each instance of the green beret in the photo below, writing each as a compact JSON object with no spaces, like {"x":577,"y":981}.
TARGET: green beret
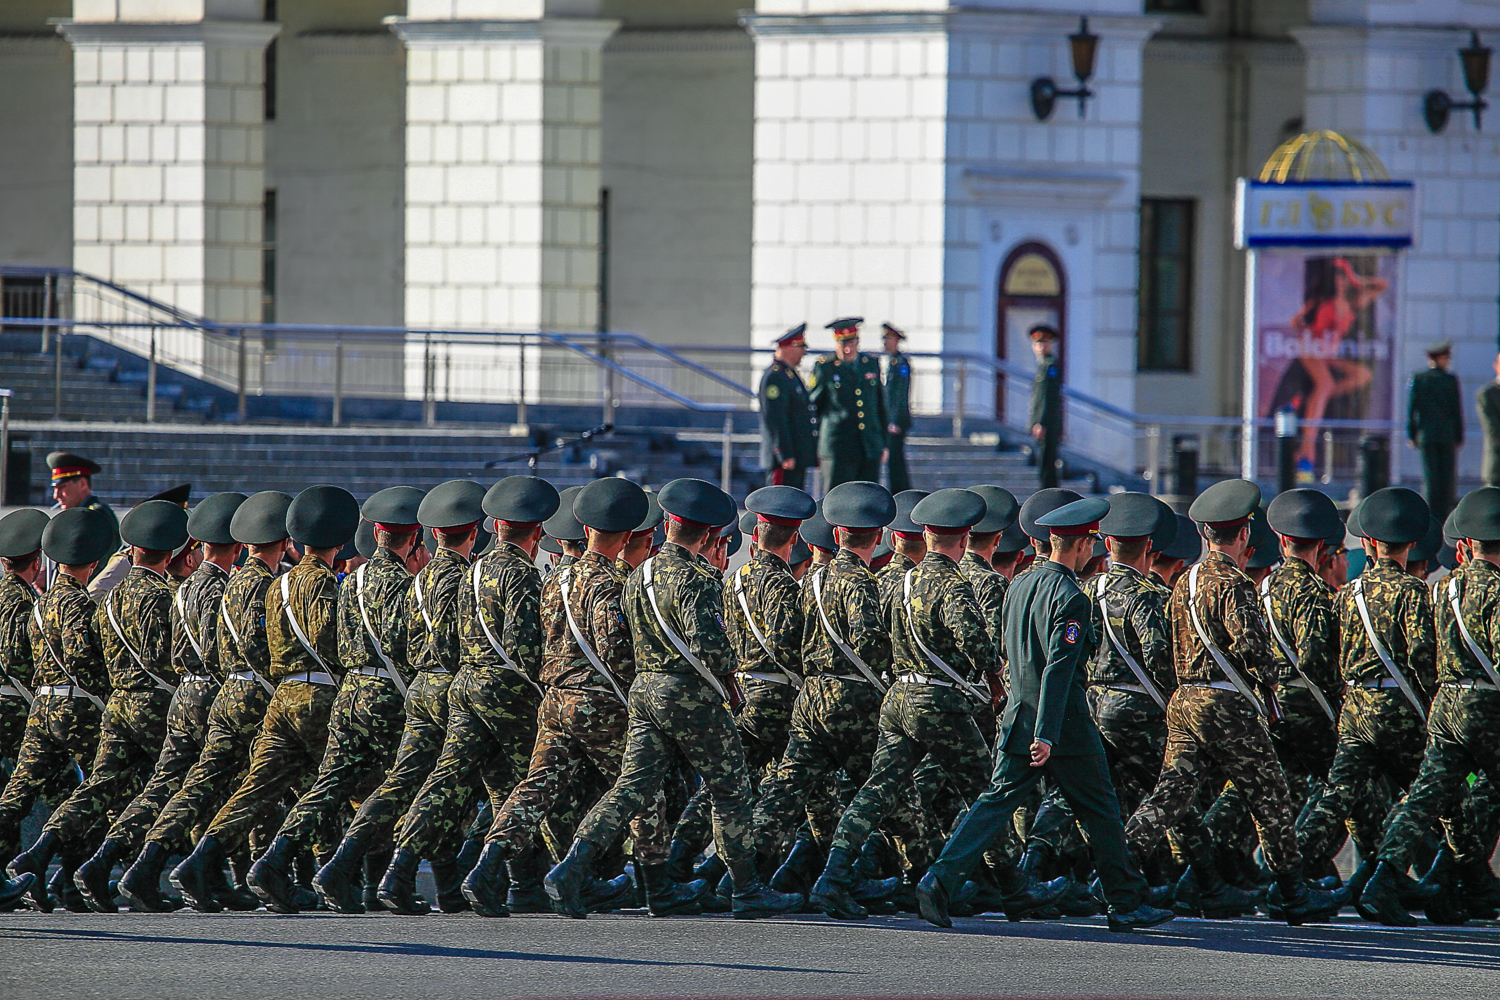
{"x":698,"y":501}
{"x":859,"y":506}
{"x":364,"y":538}
{"x":905,"y":501}
{"x":1427,"y":546}
{"x":1012,"y":539}
{"x":1477,"y":515}
{"x":817,"y":532}
{"x":323,"y":517}
{"x":21,"y":532}
{"x":610,"y":505}
{"x":1188,"y":544}
{"x":155,"y":524}
{"x":562,"y":525}
{"x":1076,"y":518}
{"x":209,"y":522}
{"x":1394,"y":515}
{"x":457,"y":503}
{"x":653,"y":517}
{"x":1043,"y":502}
{"x":521,"y":500}
{"x":261,"y":520}
{"x":1132,"y":515}
{"x":78,"y":536}
{"x":393,"y":507}
{"x":1000,"y":509}
{"x":1304,"y":514}
{"x":785,"y":505}
{"x":1226,"y":503}
{"x":801,"y":553}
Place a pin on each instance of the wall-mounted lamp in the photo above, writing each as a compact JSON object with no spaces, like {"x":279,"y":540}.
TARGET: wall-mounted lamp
{"x":1437,"y":105}
{"x":1083,"y":46}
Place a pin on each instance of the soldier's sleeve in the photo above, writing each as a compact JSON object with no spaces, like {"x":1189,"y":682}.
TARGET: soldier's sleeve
{"x":989,"y":596}
{"x":15,"y":644}
{"x":702,"y":612}
{"x":156,"y":633}
{"x":610,"y":633}
{"x":1421,"y":637}
{"x":775,"y":409}
{"x":522,"y":637}
{"x":416,"y":626}
{"x":869,"y":635}
{"x":1148,"y":618}
{"x":397,"y":626}
{"x":1315,"y":636}
{"x":322,"y":622}
{"x":1067,"y":645}
{"x":83,"y":645}
{"x":1249,"y":646}
{"x":351,"y":632}
{"x":1413,"y":411}
{"x":783,"y":614}
{"x":210,"y":599}
{"x":970,"y":630}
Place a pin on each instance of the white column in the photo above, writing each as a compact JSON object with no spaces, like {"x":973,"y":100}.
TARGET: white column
{"x":168,"y":155}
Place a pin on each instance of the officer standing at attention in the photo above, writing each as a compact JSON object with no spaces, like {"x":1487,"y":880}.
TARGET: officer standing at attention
{"x":1435,"y":426}
{"x":1046,"y":403}
{"x":1047,"y":730}
{"x":897,"y":407}
{"x":788,"y":422}
{"x":850,"y":401}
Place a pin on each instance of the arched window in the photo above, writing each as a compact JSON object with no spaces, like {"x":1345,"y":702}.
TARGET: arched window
{"x":1033,"y":289}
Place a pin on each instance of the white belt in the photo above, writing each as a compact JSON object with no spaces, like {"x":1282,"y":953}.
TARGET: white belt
{"x":1472,"y":682}
{"x":770,"y":678}
{"x":62,"y":691}
{"x":1297,"y":682}
{"x":374,"y":672}
{"x":1216,"y":685}
{"x":435,"y":670}
{"x":846,"y":677}
{"x":242,"y":675}
{"x":197,"y":677}
{"x":923,"y":679}
{"x":9,"y":691}
{"x":311,"y":677}
{"x":1386,"y":682}
{"x":1128,"y":688}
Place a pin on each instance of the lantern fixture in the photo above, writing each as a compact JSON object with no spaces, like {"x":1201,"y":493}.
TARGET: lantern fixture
{"x":1083,"y":47}
{"x":1437,"y":105}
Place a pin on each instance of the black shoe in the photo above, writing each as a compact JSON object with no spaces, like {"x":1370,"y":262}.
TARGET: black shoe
{"x":13,"y":890}
{"x":932,"y":901}
{"x":340,"y":881}
{"x":1300,"y":903}
{"x":1024,"y":894}
{"x":874,"y":890}
{"x":1078,"y":901}
{"x":712,"y":870}
{"x":526,"y":892}
{"x":1381,"y":900}
{"x":565,"y":882}
{"x":232,"y":892}
{"x":800,"y":869}
{"x":198,"y":874}
{"x":603,"y":896}
{"x":488,"y":884}
{"x":1138,"y":919}
{"x":830,"y":894}
{"x":666,"y":897}
{"x":65,"y":892}
{"x":92,"y":877}
{"x":756,"y":900}
{"x":270,"y":878}
{"x":34,"y":861}
{"x":141,"y":883}
{"x":398,"y":889}
{"x":680,"y":857}
{"x":448,"y":881}
{"x":1202,"y":892}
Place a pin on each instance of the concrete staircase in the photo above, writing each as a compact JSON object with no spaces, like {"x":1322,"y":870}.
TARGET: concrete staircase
{"x":94,"y":388}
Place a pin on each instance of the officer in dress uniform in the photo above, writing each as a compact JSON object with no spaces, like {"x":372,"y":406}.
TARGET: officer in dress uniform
{"x":72,"y":486}
{"x":788,"y":423}
{"x":850,"y":402}
{"x":1046,"y":403}
{"x":897,"y":407}
{"x":1435,"y":426}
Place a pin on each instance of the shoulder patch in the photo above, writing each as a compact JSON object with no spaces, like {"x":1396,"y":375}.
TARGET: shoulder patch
{"x":720,"y":619}
{"x":1071,"y":632}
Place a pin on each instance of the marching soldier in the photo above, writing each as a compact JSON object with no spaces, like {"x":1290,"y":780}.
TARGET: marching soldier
{"x":1047,"y":730}
{"x":788,"y":422}
{"x":897,"y":407}
{"x":850,"y":401}
{"x":194,"y":650}
{"x":367,"y":716}
{"x":1435,"y":426}
{"x":242,"y":662}
{"x":677,"y":706}
{"x":642,"y":539}
{"x":135,"y":629}
{"x":1046,"y":404}
{"x":117,"y":566}
{"x":301,"y":612}
{"x":1215,"y":717}
{"x":1000,"y":513}
{"x":1180,"y":548}
{"x":908,"y":545}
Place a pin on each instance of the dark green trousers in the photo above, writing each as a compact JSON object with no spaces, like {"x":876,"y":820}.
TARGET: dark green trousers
{"x":896,"y":464}
{"x":848,"y":466}
{"x":1438,"y":477}
{"x":1084,"y":783}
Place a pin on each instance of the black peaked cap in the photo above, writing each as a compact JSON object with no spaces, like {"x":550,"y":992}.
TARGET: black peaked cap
{"x":1132,"y":515}
{"x":78,"y":536}
{"x":905,"y":501}
{"x":610,"y":505}
{"x":1043,"y":502}
{"x":1001,"y":508}
{"x":1477,"y":515}
{"x":950,"y":509}
{"x":209,"y":522}
{"x":859,"y":506}
{"x":522,"y":500}
{"x":155,"y":524}
{"x":817,"y":532}
{"x":780,"y":501}
{"x":21,"y":532}
{"x":1226,"y":501}
{"x":1394,"y":515}
{"x":1304,"y":514}
{"x":261,"y":520}
{"x":394,"y":505}
{"x":323,"y":517}
{"x":696,"y":500}
{"x":457,"y":503}
{"x":562,"y":525}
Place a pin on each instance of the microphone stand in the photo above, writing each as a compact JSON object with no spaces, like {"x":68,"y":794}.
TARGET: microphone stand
{"x":532,"y":457}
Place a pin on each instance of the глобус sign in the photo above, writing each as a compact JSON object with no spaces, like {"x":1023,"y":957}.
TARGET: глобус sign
{"x":1324,"y":214}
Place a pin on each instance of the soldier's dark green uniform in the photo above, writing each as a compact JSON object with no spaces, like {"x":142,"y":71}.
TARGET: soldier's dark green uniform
{"x":1435,"y":425}
{"x":898,"y":412}
{"x":788,"y":422}
{"x":850,"y":402}
{"x":1046,"y":413}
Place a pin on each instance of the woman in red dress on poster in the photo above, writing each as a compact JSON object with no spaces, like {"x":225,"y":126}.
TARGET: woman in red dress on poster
{"x":1328,"y":318}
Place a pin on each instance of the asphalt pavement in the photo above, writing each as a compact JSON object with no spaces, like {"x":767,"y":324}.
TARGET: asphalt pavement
{"x":314,"y":956}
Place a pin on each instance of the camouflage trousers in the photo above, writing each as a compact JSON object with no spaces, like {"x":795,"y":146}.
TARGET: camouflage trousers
{"x":130,"y":740}
{"x":1463,"y":738}
{"x":416,"y":753}
{"x":672,"y":716}
{"x":289,"y":748}
{"x":763,"y":721}
{"x":1207,"y":727}
{"x":579,"y":736}
{"x":234,"y":719}
{"x":187,"y":728}
{"x":363,"y":728}
{"x":491,"y":728}
{"x":835,"y":724}
{"x":13,"y":715}
{"x":62,"y":735}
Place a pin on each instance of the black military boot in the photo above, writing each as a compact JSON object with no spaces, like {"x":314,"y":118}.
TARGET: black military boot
{"x":565,"y":882}
{"x":667,"y":897}
{"x":468,"y":855}
{"x":62,"y":887}
{"x":339,"y":882}
{"x":752,"y":899}
{"x":800,"y":869}
{"x":830,"y":893}
{"x":1202,"y":892}
{"x":34,"y":861}
{"x":604,"y":895}
{"x":376,"y":862}
{"x":198,"y":874}
{"x":232,"y":888}
{"x":270,"y":878}
{"x":449,"y":884}
{"x":526,"y":893}
{"x":92,"y":877}
{"x":141,"y":883}
{"x":398,"y":889}
{"x":1138,"y":919}
{"x":13,"y":890}
{"x":1024,"y":894}
{"x":304,"y":869}
{"x":712,"y":870}
{"x":680,"y":857}
{"x":488,"y":884}
{"x":1300,"y":903}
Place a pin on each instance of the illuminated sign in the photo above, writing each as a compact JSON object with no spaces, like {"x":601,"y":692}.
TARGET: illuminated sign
{"x":1324,"y":214}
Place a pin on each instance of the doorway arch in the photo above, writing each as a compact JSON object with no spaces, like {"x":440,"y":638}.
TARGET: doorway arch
{"x":1033,"y":288}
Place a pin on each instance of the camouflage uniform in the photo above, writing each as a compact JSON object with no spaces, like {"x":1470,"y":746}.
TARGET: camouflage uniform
{"x":765,"y":678}
{"x":674,"y":710}
{"x":582,"y":723}
{"x":1379,"y":730}
{"x":835,"y":718}
{"x":62,"y":732}
{"x":295,"y":732}
{"x":138,"y":651}
{"x":1212,"y":727}
{"x":491,"y":708}
{"x":16,"y":599}
{"x":367,"y":717}
{"x":237,"y":710}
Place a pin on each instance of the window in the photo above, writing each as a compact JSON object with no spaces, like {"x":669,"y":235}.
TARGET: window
{"x":268,"y":259}
{"x":1174,"y":6}
{"x":1166,"y":292}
